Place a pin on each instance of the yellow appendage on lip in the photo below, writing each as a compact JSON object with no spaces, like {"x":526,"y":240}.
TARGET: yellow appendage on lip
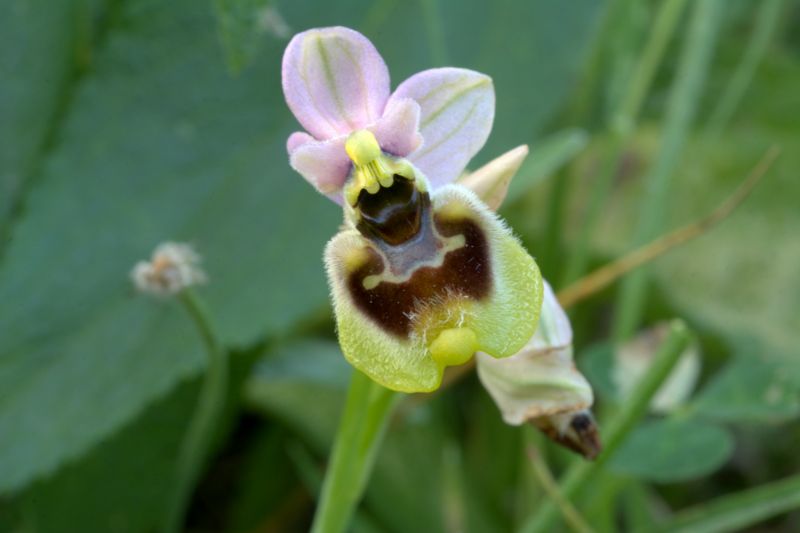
{"x":454,"y":346}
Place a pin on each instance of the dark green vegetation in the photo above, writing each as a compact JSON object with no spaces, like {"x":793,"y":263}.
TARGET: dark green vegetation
{"x":126,"y":123}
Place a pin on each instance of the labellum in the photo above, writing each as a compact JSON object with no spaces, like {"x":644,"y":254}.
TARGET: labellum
{"x":422,"y":280}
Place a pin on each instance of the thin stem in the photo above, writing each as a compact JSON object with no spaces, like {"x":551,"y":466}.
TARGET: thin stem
{"x":556,"y":205}
{"x":606,"y":275}
{"x":197,"y":442}
{"x":683,"y":102}
{"x":736,"y":512}
{"x":590,"y":78}
{"x":361,"y":429}
{"x":766,"y":22}
{"x":619,"y":427}
{"x":571,"y":515}
{"x":622,"y":125}
{"x":666,"y":21}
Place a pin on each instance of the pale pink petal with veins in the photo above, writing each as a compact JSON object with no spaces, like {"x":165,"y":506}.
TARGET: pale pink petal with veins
{"x":334,"y":81}
{"x":457,"y":115}
{"x":324,"y":164}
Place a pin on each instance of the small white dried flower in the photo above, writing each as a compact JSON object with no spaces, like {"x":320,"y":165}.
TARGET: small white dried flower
{"x":173,"y":267}
{"x":633,"y":359}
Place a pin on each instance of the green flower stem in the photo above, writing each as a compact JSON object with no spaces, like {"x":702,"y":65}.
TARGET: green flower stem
{"x":622,"y":125}
{"x":736,"y":512}
{"x":362,"y":426}
{"x":617,"y":430}
{"x":556,"y":206}
{"x":571,"y":515}
{"x":681,"y":108}
{"x":197,"y":442}
{"x":766,"y":23}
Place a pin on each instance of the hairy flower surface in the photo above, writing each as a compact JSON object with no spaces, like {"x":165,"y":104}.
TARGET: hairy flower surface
{"x":423,"y":275}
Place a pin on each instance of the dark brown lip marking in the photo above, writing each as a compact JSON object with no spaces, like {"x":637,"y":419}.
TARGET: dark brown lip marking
{"x":465,"y":272}
{"x":393,"y":214}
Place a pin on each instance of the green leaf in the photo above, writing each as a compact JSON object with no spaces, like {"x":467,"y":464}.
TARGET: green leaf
{"x":668,"y":451}
{"x":122,"y":486}
{"x":157,"y":142}
{"x":266,"y":479}
{"x":597,"y":363}
{"x":303,"y":385}
{"x":158,"y":145}
{"x":751,"y":389}
{"x":638,"y":507}
{"x":37,"y":53}
{"x":738,"y":511}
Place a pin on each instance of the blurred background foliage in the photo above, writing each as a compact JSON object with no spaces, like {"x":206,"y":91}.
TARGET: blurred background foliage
{"x":124,"y":123}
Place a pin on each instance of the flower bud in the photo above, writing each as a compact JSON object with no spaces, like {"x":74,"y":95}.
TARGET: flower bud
{"x":633,"y":359}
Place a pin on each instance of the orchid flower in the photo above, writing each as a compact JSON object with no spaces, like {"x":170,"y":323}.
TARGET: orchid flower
{"x":423,"y":274}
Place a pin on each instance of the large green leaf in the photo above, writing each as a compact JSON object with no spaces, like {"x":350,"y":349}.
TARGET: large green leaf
{"x":123,"y":484}
{"x":159,"y":142}
{"x":38,"y":48}
{"x":752,"y":389}
{"x":667,"y":451}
